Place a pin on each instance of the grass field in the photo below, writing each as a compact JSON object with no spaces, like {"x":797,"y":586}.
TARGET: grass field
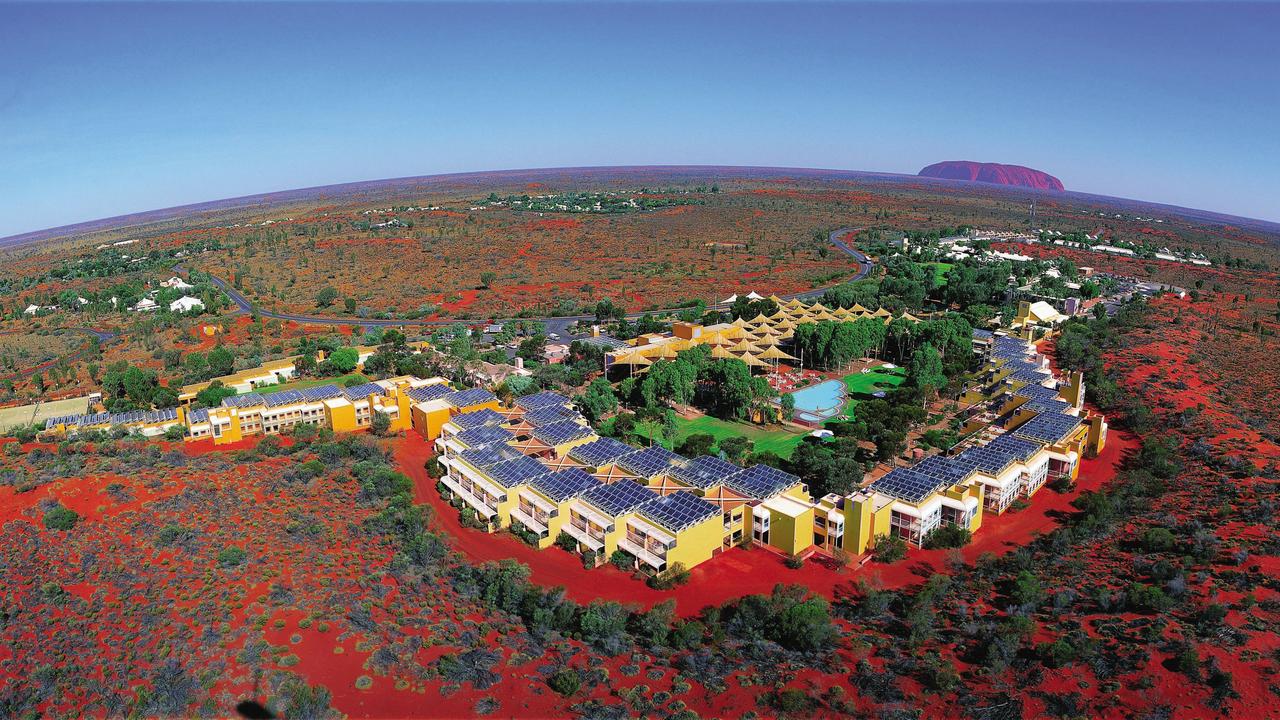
{"x":765,"y":439}
{"x":940,"y":270}
{"x":862,"y":385}
{"x":340,"y":381}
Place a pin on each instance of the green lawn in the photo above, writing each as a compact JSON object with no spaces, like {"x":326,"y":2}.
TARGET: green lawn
{"x":861,"y":386}
{"x":340,"y":381}
{"x":765,"y":439}
{"x":940,"y":270}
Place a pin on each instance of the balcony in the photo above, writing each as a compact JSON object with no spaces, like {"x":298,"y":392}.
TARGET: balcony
{"x":527,"y":520}
{"x":583,"y":537}
{"x":642,"y":554}
{"x":468,"y":497}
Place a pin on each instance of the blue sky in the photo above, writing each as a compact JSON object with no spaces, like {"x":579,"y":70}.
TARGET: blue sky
{"x":107,"y":109}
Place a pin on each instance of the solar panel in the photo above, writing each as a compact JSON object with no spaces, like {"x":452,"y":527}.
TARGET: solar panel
{"x":467,"y":398}
{"x":320,"y":392}
{"x":1037,"y":392}
{"x":198,"y":415}
{"x":542,"y":400}
{"x":1047,"y":406}
{"x":761,"y":481}
{"x":564,"y":484}
{"x":1051,"y":428}
{"x":907,"y":484}
{"x":617,"y":498}
{"x":600,"y":452}
{"x":516,"y":471}
{"x":1017,"y":447}
{"x":980,"y":334}
{"x":549,"y":414}
{"x":284,"y":397}
{"x":945,"y":468}
{"x":561,"y":432}
{"x":427,"y":393}
{"x":486,"y":456}
{"x":649,"y":462}
{"x":242,"y":401}
{"x":679,"y":510}
{"x":483,"y":435}
{"x":1030,"y":375}
{"x":704,"y":471}
{"x":478,"y":418}
{"x":362,"y":391}
{"x":988,"y":460}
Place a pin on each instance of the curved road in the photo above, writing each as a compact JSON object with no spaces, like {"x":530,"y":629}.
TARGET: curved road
{"x":558,"y":324}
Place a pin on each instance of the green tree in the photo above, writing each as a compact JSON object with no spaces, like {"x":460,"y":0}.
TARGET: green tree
{"x":60,"y":518}
{"x":597,"y":400}
{"x":380,"y":423}
{"x":326,"y":297}
{"x":345,"y":359}
{"x":221,"y":361}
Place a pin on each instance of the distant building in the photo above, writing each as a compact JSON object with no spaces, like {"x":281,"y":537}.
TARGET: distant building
{"x":145,"y":305}
{"x":186,"y":303}
{"x":176,"y":283}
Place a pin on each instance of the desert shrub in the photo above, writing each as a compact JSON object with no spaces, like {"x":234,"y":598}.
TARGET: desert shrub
{"x":434,"y":468}
{"x":173,"y":534}
{"x":566,"y":542}
{"x":565,"y":681}
{"x":231,"y":556}
{"x":1157,"y":539}
{"x":622,"y":560}
{"x":527,"y":536}
{"x":673,"y":576}
{"x":589,"y":559}
{"x":380,"y":423}
{"x":794,"y":562}
{"x":175,"y":433}
{"x":296,"y":699}
{"x":947,"y":536}
{"x":60,"y":518}
{"x":789,"y":700}
{"x":890,"y":549}
{"x":1147,"y":598}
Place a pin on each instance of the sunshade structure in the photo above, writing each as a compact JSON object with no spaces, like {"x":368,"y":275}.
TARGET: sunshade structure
{"x":773,"y":353}
{"x":753,"y":361}
{"x":719,"y":352}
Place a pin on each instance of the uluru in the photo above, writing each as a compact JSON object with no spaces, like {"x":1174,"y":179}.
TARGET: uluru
{"x":992,"y":173}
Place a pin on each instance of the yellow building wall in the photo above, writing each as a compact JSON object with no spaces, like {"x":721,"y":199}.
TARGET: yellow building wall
{"x":798,"y":492}
{"x":791,"y":535}
{"x":1097,"y":439}
{"x":697,"y":544}
{"x":232,"y":433}
{"x":563,"y":448}
{"x":503,"y":515}
{"x":341,"y":418}
{"x":428,"y":423}
{"x":857,"y":525}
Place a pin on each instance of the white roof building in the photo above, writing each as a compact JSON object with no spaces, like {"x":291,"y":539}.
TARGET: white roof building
{"x":186,"y":303}
{"x":177,"y":283}
{"x":145,"y":305}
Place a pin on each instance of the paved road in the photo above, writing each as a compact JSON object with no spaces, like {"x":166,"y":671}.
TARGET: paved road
{"x":555,"y":324}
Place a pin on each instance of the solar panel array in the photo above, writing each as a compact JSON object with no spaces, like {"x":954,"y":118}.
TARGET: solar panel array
{"x":1019,"y":448}
{"x":283,"y":397}
{"x":486,"y":456}
{"x":243,"y":401}
{"x":1036,"y":392}
{"x":1044,"y":405}
{"x":478,"y":418}
{"x":564,"y":484}
{"x":907,"y":484}
{"x":321,"y":392}
{"x":558,"y":433}
{"x":362,"y":391}
{"x":987,"y":459}
{"x":761,"y":481}
{"x":617,"y":498}
{"x":704,"y":471}
{"x":148,"y":417}
{"x":1030,"y":375}
{"x":198,"y":415}
{"x":543,"y":399}
{"x":467,"y":398}
{"x":516,"y":471}
{"x":649,"y":462}
{"x":980,"y":334}
{"x":600,"y":452}
{"x":483,"y":435}
{"x":427,"y":393}
{"x":679,"y":510}
{"x":952,"y":470}
{"x":549,"y":414}
{"x":1050,"y":428}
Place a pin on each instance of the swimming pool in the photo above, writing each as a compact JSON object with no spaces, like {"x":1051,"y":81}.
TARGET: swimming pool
{"x":820,"y":402}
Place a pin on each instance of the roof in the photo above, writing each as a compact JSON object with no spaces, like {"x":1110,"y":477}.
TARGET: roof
{"x":542,"y":400}
{"x":486,"y":456}
{"x":483,"y":435}
{"x":510,"y":473}
{"x":564,"y":484}
{"x":467,"y":398}
{"x":617,"y":498}
{"x":243,"y":401}
{"x":704,"y":471}
{"x":430,"y":392}
{"x":761,"y":481}
{"x":600,"y":452}
{"x":549,"y":414}
{"x":909,"y":484}
{"x":649,"y":462}
{"x":478,"y":418}
{"x":362,"y":391}
{"x":1019,"y":448}
{"x":679,"y":510}
{"x":1050,"y":428}
{"x":562,"y":432}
